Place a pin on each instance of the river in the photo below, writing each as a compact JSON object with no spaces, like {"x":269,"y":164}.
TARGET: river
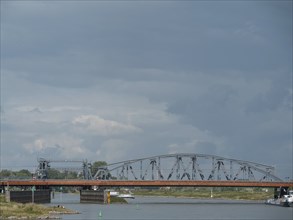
{"x":173,"y":208}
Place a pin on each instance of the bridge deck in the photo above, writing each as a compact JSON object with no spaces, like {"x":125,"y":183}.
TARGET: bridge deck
{"x":143,"y":183}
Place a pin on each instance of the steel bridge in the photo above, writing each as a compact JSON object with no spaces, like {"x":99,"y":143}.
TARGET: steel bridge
{"x":87,"y":184}
{"x":173,"y":167}
{"x":44,"y":166}
{"x":174,"y":170}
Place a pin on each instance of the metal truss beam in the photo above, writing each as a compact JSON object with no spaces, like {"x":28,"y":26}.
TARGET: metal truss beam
{"x":190,"y":167}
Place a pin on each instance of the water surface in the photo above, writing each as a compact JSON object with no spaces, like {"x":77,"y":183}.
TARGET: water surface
{"x":174,"y":208}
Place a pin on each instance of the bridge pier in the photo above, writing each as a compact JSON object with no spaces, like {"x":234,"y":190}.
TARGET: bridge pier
{"x":94,"y":196}
{"x":29,"y":196}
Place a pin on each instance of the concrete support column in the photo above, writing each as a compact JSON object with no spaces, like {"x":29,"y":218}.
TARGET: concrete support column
{"x":39,"y":196}
{"x":94,"y":196}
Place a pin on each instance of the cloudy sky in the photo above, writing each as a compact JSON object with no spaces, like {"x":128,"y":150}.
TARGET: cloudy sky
{"x":120,"y":80}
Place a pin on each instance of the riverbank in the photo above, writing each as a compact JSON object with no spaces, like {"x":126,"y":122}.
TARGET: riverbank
{"x":13,"y":210}
{"x":243,"y":194}
{"x":117,"y":200}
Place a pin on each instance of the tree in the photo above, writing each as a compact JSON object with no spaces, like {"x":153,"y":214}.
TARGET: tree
{"x":54,"y":174}
{"x":5,"y":173}
{"x":96,"y":165}
{"x":24,"y":173}
{"x":70,"y":175}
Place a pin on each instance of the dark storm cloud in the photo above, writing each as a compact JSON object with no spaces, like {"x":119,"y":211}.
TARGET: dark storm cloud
{"x":69,"y":45}
{"x":203,"y":77}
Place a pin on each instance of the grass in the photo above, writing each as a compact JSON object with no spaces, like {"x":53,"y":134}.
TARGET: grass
{"x":28,"y":210}
{"x":118,"y":200}
{"x":243,"y":194}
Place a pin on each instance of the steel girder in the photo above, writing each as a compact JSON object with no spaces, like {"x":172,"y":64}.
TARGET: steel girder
{"x":187,"y":167}
{"x":45,"y":164}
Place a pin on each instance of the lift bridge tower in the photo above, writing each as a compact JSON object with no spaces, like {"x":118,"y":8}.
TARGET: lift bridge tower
{"x":45,"y":164}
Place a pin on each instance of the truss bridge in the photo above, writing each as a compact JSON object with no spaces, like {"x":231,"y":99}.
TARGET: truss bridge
{"x":170,"y":167}
{"x":171,"y":170}
{"x":187,"y":167}
{"x":81,"y":166}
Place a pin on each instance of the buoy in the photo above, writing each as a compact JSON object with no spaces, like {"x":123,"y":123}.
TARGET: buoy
{"x":100,"y":214}
{"x":137,"y":207}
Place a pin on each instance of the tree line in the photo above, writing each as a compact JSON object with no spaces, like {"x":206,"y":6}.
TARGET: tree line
{"x":52,"y":173}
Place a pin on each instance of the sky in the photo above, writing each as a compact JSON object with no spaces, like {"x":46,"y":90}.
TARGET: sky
{"x":119,"y":80}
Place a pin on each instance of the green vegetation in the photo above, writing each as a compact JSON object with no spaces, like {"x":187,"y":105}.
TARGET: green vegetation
{"x":217,"y":193}
{"x":118,"y":200}
{"x":28,"y":210}
{"x":52,"y":173}
{"x":22,"y":174}
{"x":56,"y":174}
{"x":26,"y":174}
{"x":96,"y":165}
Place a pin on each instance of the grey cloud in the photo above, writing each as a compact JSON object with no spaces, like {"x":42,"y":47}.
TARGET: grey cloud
{"x":246,"y":135}
{"x":89,"y":46}
{"x":278,"y":95}
{"x":202,"y":77}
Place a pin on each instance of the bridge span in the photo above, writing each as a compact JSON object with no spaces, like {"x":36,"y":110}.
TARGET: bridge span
{"x":143,"y":183}
{"x":171,"y":170}
{"x":179,"y":167}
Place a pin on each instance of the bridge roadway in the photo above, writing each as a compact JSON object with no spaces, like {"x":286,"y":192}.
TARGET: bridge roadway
{"x":144,"y":183}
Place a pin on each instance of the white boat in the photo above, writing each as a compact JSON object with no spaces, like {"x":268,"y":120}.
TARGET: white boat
{"x":285,"y":200}
{"x":121,"y":195}
{"x":114,"y":193}
{"x":279,"y":202}
{"x":290,"y":198}
{"x":126,"y":196}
